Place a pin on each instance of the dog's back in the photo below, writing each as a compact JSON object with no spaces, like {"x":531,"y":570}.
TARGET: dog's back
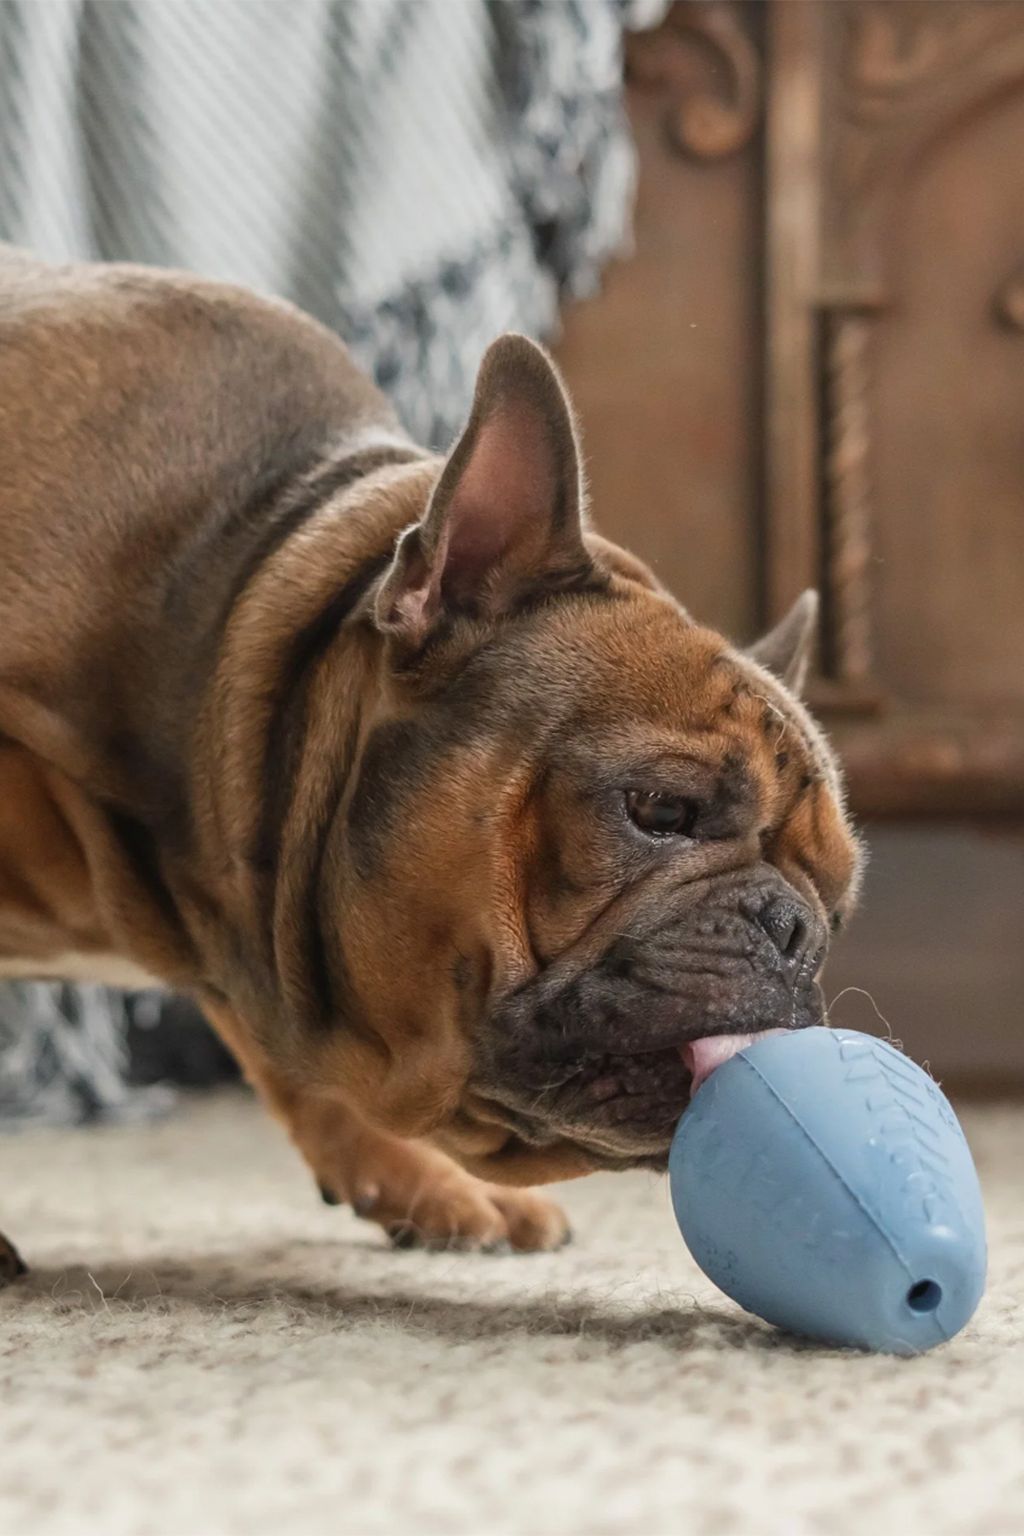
{"x":146,"y":421}
{"x":152,"y":429}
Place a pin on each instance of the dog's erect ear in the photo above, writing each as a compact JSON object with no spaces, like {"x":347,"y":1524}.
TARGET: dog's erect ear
{"x":786,"y":650}
{"x":506,"y":515}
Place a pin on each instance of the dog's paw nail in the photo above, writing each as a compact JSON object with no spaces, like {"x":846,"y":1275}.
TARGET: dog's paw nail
{"x":365,"y":1202}
{"x":327,"y":1195}
{"x":499,"y":1248}
{"x":12,"y":1265}
{"x":404,"y":1235}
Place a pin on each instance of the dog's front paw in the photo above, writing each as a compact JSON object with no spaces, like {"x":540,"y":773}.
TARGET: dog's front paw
{"x":12,"y":1265}
{"x":464,"y":1213}
{"x":423,"y":1199}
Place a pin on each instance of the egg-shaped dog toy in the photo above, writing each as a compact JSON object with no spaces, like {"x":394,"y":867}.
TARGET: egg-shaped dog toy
{"x":821,"y":1179}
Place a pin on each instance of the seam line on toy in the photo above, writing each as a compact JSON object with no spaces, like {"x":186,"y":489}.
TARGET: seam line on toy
{"x":868,"y":1212}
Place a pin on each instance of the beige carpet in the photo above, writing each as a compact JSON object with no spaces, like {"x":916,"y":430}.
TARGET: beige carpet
{"x":202,"y":1347}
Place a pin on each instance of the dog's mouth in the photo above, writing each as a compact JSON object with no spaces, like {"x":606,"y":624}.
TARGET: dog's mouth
{"x":622,"y":1109}
{"x":603,"y":1057}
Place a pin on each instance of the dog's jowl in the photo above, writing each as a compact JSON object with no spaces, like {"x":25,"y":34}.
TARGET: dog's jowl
{"x":454,"y":822}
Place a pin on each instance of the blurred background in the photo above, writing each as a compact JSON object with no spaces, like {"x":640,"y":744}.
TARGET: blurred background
{"x":778,"y":248}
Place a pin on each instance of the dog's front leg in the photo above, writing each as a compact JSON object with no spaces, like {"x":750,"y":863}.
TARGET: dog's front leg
{"x":419,"y":1195}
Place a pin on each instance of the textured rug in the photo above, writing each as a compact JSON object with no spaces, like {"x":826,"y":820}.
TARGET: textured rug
{"x":203,"y":1348}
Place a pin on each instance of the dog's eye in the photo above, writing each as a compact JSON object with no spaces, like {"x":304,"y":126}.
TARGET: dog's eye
{"x":661,"y":815}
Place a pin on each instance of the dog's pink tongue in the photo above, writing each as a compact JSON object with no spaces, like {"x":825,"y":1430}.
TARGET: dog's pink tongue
{"x":701,"y":1057}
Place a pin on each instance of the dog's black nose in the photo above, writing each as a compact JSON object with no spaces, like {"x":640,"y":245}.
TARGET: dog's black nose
{"x":790,"y":929}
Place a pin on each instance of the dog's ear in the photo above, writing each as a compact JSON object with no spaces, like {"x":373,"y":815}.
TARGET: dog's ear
{"x":506,"y":515}
{"x":787,"y":649}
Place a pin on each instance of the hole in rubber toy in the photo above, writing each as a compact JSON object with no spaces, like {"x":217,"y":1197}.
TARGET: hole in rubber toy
{"x":924,"y":1296}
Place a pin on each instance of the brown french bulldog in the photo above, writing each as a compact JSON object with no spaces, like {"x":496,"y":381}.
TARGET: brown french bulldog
{"x":471,"y":843}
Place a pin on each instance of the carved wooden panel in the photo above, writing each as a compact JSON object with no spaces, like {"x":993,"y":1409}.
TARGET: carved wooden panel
{"x":947,"y":382}
{"x":908,"y":122}
{"x":899,"y":74}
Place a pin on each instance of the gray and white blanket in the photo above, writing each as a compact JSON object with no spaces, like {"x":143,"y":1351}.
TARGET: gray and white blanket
{"x":419,"y":174}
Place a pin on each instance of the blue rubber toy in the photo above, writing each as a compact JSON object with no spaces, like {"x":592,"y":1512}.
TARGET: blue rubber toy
{"x":821,"y":1179}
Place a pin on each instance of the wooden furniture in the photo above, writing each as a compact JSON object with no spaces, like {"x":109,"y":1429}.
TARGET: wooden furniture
{"x":810,"y":372}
